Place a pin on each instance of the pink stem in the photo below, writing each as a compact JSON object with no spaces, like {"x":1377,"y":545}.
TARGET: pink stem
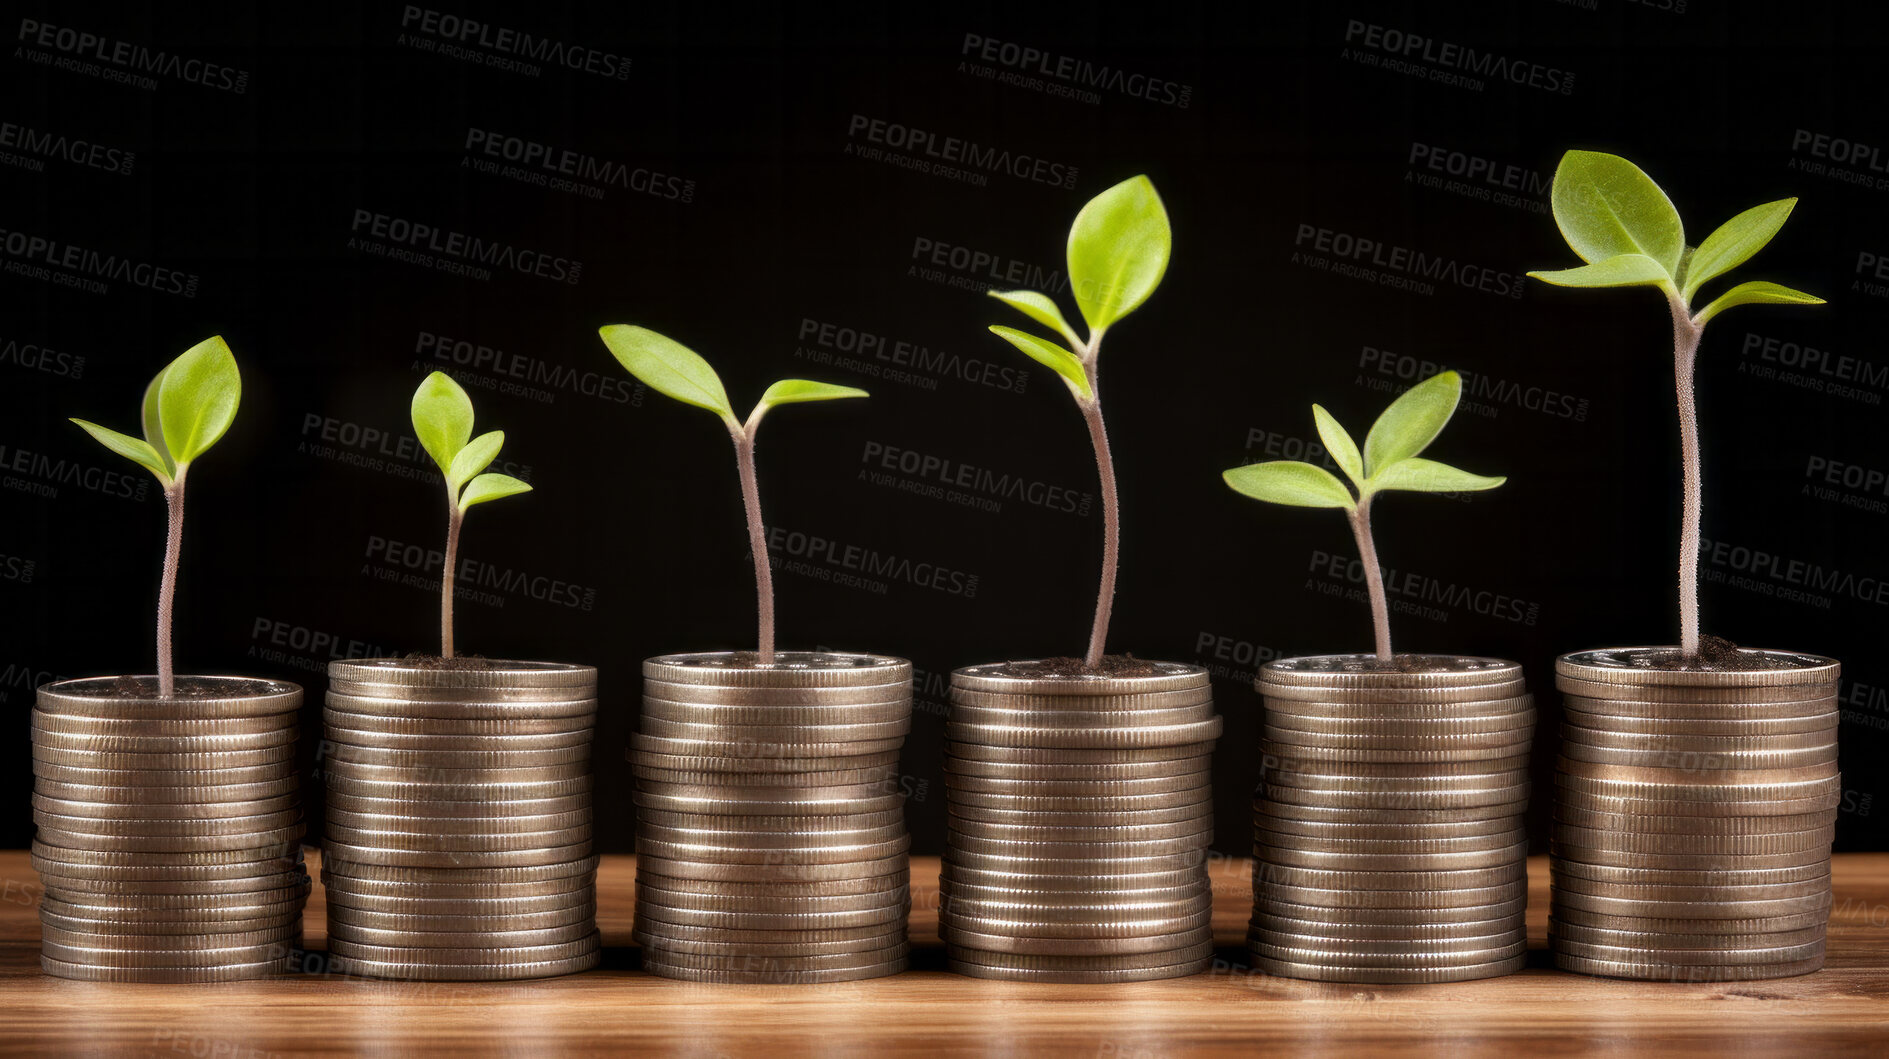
{"x":757,"y":543}
{"x":448,"y":578}
{"x":1111,"y":525}
{"x":1686,"y":335}
{"x":167,"y":588}
{"x":1373,"y":578}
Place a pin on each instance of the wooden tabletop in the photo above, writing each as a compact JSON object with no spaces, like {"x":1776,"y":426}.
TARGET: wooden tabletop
{"x":1841,"y":1010}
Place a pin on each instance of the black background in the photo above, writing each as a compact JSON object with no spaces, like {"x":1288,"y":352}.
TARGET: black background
{"x":636,"y":517}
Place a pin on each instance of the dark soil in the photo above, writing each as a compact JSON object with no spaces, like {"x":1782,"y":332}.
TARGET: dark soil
{"x":1716,"y":655}
{"x":1412,"y":664}
{"x":128,"y":687}
{"x":1111,"y":666}
{"x":456,"y":662}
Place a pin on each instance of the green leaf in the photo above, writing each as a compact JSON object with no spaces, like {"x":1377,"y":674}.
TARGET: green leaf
{"x":442,"y":418}
{"x":1605,"y":207}
{"x":668,"y":367}
{"x":490,"y":487}
{"x":1051,"y":355}
{"x":197,"y":399}
{"x":1118,"y":251}
{"x":1428,"y":476}
{"x":151,"y":423}
{"x":1624,"y":270}
{"x":475,"y":457}
{"x":1412,"y":421}
{"x":1344,"y":451}
{"x":1038,"y":307}
{"x":137,"y":450}
{"x":1734,"y":243}
{"x":1757,"y":292}
{"x":1289,"y":482}
{"x":794,"y":391}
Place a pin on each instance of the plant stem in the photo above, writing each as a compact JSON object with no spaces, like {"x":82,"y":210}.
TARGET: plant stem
{"x":448,"y":578}
{"x":1686,"y":335}
{"x":757,"y":541}
{"x":1373,"y":577}
{"x":1111,"y":513}
{"x":167,"y":588}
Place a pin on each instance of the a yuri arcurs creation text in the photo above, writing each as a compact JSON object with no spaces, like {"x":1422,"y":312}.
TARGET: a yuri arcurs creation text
{"x":675,"y":370}
{"x":442,"y":420}
{"x":1391,"y":460}
{"x":1118,"y":251}
{"x":1619,"y":221}
{"x":187,"y":408}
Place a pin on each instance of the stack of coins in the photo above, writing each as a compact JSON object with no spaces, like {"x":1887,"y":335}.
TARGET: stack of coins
{"x":770,"y":834}
{"x":1694,"y":817}
{"x":459,"y":820}
{"x":169,"y":832}
{"x":1080,"y":817}
{"x":1388,"y":832}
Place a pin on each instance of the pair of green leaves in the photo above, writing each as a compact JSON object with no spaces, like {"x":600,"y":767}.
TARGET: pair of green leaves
{"x":1619,"y":221}
{"x":187,"y":408}
{"x":442,"y":419}
{"x":1118,"y":251}
{"x":1390,"y":459}
{"x":674,"y":370}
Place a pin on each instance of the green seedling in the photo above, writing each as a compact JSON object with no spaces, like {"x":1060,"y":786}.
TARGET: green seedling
{"x":187,"y":408}
{"x":442,"y":420}
{"x":1118,"y":251}
{"x":1619,"y":221}
{"x":1391,"y":460}
{"x":674,"y":370}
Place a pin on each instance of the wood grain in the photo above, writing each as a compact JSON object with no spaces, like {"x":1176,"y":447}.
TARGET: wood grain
{"x":1842,"y":1010}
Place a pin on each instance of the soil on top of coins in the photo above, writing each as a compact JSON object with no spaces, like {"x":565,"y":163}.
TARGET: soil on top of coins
{"x":1716,"y":655}
{"x":456,"y":662}
{"x":1110,"y":666}
{"x":1411,"y":664}
{"x":186,"y":688}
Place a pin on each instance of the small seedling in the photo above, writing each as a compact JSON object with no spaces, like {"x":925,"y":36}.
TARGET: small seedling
{"x":187,"y":408}
{"x":442,"y":420}
{"x":1391,"y":460}
{"x":1619,"y":221}
{"x":675,"y":370}
{"x":1118,"y":251}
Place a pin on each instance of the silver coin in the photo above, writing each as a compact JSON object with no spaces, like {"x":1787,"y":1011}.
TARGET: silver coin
{"x":93,"y":956}
{"x":106,"y":697}
{"x":436,"y":839}
{"x":1711,"y":745}
{"x":1512,"y":798}
{"x":509,"y":858}
{"x":1090,"y":920}
{"x":887,"y":712}
{"x":961,"y":937}
{"x":1691,"y":957}
{"x":375,"y":725}
{"x":1019,"y":859}
{"x":1130,"y":819}
{"x":745,"y":853}
{"x":372,"y":910}
{"x":1378,"y":827}
{"x":465,"y":923}
{"x":651,"y":911}
{"x":340,"y":753}
{"x":1690,"y":861}
{"x":179,"y":797}
{"x":1106,"y":788}
{"x":178,"y":732}
{"x":1646,"y":909}
{"x":515,"y":809}
{"x":1388,"y":756}
{"x":1130,"y":770}
{"x":1777,"y":700}
{"x":716,"y":825}
{"x":359,"y":872}
{"x":1411,"y":702}
{"x":1055,"y":755}
{"x":743,"y":977}
{"x":171,"y":843}
{"x":1403,"y":845}
{"x":1507,"y":721}
{"x":163,"y":780}
{"x":1095,"y":928}
{"x":1654,"y":969}
{"x":1691,"y":825}
{"x":774,"y":869}
{"x":759,"y":697}
{"x":1337,"y":778}
{"x":1340,"y":942}
{"x":1052,"y":884}
{"x":789,"y":669}
{"x":1041,"y":736}
{"x":347,"y":786}
{"x":345,"y":930}
{"x":1591,"y":715}
{"x":1299,"y":950}
{"x":138,"y":812}
{"x":1070,"y":803}
{"x":488,"y":673}
{"x":433,"y":972}
{"x":1000,"y":678}
{"x":1417,"y":817}
{"x":977,"y":718}
{"x":161,"y":943}
{"x":1300,"y":856}
{"x":768,"y":966}
{"x":879,"y":886}
{"x":450,"y":830}
{"x":654,"y":941}
{"x":1666,"y":892}
{"x":65,"y":885}
{"x":47,"y":743}
{"x":1394,"y":879}
{"x":180,"y":761}
{"x":1703,"y":841}
{"x":953,"y":891}
{"x":208,"y":863}
{"x":691,"y":901}
{"x":1647,"y":666}
{"x":1056,"y":964}
{"x":354,"y":773}
{"x":1123,"y":847}
{"x":885,"y":772}
{"x":1750,"y":925}
{"x":448,"y":742}
{"x":481,"y":957}
{"x":452,"y":705}
{"x":1659,"y":804}
{"x":874,"y":734}
{"x":1036,"y":704}
{"x":166,"y":825}
{"x":1667,"y":757}
{"x":989,"y":831}
{"x":1365,"y":671}
{"x":806,"y":771}
{"x":1729,"y":877}
{"x":1388,"y":975}
{"x":769,"y":801}
{"x":1098,"y":976}
{"x":1304,"y":906}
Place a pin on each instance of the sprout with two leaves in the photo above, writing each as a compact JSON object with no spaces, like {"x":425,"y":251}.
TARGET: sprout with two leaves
{"x":1619,"y":221}
{"x":187,"y":409}
{"x":1118,"y":251}
{"x":674,"y":370}
{"x":442,"y":420}
{"x":1391,"y":460}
